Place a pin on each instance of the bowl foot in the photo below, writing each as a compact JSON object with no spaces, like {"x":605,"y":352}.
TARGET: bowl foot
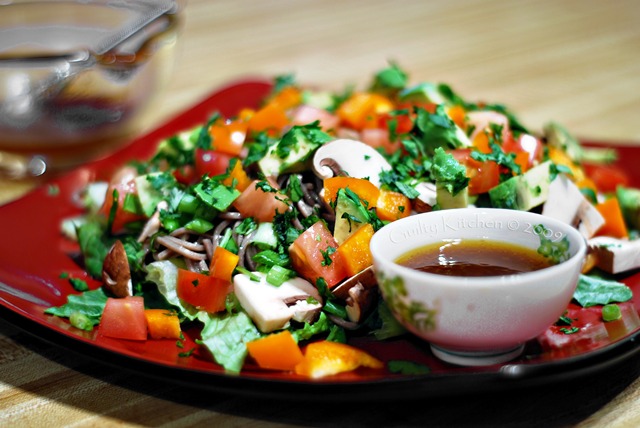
{"x":476,"y":358}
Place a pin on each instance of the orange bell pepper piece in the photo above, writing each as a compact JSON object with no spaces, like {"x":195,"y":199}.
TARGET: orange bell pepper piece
{"x":327,"y":358}
{"x":560,"y":157}
{"x":614,"y":224}
{"x":287,"y":98}
{"x":361,"y":110}
{"x":228,"y":137}
{"x":162,"y":324}
{"x":355,"y":250}
{"x":458,"y":114}
{"x":392,"y":206}
{"x":238,"y":177}
{"x":522,"y":159}
{"x":271,"y":119}
{"x":223,"y":263}
{"x":366,"y":190}
{"x":278,"y":351}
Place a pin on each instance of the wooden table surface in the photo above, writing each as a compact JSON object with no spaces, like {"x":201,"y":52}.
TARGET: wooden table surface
{"x":576,"y":62}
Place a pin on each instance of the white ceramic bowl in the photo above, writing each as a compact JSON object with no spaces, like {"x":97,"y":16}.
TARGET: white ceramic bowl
{"x":477,"y":320}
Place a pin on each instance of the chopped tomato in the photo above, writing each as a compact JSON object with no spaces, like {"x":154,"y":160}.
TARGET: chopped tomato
{"x":123,"y":318}
{"x":203,"y":291}
{"x":211,"y":162}
{"x":186,"y":174}
{"x":122,"y":182}
{"x":525,"y":143}
{"x":260,"y":204}
{"x":606,"y":177}
{"x":379,"y":138}
{"x":305,"y":114}
{"x":398,"y":123}
{"x":314,"y":255}
{"x":483,"y":175}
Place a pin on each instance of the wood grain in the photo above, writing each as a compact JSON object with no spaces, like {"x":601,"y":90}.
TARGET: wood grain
{"x":573,"y":61}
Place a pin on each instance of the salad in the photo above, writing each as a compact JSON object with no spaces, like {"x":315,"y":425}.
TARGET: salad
{"x":257,"y":227}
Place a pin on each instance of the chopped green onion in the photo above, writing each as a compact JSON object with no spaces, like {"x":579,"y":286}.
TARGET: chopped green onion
{"x":81,"y":321}
{"x":277,"y":275}
{"x":188,"y":204}
{"x":611,"y":312}
{"x":199,"y":225}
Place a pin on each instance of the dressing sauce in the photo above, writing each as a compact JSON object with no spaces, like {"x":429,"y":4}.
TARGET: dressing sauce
{"x":474,"y":258}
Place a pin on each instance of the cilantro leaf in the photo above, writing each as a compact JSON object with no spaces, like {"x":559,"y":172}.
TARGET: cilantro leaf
{"x":436,"y":129}
{"x":448,"y":172}
{"x":390,"y":79}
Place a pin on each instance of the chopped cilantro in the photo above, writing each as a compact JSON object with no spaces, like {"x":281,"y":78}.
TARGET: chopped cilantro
{"x":448,"y":172}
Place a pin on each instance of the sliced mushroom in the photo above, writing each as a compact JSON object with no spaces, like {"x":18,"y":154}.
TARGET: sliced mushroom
{"x":116,"y":275}
{"x":271,"y":307}
{"x":349,"y":157}
{"x":426,"y":197}
{"x":359,"y":292}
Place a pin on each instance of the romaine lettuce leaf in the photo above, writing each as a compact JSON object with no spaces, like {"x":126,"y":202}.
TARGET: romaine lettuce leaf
{"x":225,"y":336}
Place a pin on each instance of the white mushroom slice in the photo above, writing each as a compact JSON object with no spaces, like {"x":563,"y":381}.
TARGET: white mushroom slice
{"x":427,"y":196}
{"x":615,"y":255}
{"x":355,"y":158}
{"x":567,"y":204}
{"x":270,"y":307}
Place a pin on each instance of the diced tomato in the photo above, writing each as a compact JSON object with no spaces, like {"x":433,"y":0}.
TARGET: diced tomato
{"x":525,"y":143}
{"x":203,"y":291}
{"x":211,"y":162}
{"x":483,"y":175}
{"x":185,"y":174}
{"x":606,"y":177}
{"x":123,"y":318}
{"x":306,"y":114}
{"x":313,"y":255}
{"x":379,"y":138}
{"x":255,"y":202}
{"x":123,"y":182}
{"x":399,"y":123}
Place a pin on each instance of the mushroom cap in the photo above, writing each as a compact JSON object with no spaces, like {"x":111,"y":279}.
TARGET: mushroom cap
{"x":354,"y":158}
{"x":116,"y":275}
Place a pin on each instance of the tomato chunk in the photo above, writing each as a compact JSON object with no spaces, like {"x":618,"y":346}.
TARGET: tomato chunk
{"x":123,"y":318}
{"x":203,"y":291}
{"x":314,"y":255}
{"x":211,"y":162}
{"x":260,"y":204}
